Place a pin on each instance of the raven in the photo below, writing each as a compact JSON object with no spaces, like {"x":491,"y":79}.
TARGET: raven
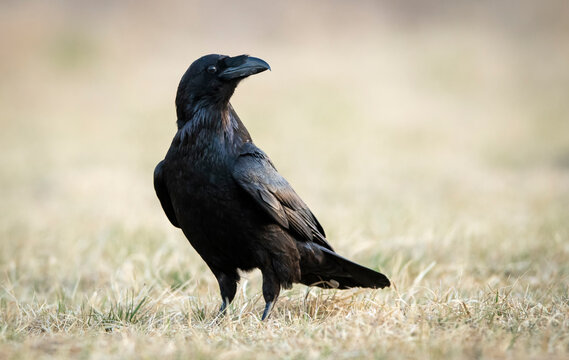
{"x":234,"y":207}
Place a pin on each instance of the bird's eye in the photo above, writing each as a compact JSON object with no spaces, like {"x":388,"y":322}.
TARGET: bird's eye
{"x":211,"y":69}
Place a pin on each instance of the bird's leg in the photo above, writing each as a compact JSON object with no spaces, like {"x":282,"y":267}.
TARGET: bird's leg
{"x":271,"y":289}
{"x":224,"y":304}
{"x":268,"y":308}
{"x":227,"y":287}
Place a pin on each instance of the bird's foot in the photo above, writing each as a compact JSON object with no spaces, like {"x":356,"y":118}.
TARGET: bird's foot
{"x":222,"y":309}
{"x":268,"y":308}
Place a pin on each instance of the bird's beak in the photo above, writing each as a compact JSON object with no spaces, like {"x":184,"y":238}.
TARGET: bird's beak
{"x":239,"y":67}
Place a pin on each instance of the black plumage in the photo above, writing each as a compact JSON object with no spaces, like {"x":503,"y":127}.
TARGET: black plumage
{"x":234,"y":207}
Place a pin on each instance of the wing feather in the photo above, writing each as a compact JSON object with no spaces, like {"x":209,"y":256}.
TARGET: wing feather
{"x":163,"y":195}
{"x":256,"y":174}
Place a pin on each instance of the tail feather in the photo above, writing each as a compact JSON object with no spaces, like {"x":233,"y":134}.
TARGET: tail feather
{"x":325,"y":268}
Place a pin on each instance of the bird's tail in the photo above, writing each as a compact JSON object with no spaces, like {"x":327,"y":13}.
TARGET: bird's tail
{"x":324,"y":268}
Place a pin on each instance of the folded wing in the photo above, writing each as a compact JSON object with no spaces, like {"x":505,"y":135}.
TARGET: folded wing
{"x":163,"y":195}
{"x":256,"y":174}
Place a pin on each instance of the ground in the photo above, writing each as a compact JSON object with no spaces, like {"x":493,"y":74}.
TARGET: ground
{"x":434,"y":152}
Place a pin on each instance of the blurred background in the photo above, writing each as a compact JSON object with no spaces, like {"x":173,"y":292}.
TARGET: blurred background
{"x":415,"y":131}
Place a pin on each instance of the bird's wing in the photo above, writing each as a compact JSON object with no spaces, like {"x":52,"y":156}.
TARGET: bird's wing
{"x":256,"y":174}
{"x":163,"y":195}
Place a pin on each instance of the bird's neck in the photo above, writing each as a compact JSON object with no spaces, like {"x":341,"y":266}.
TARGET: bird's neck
{"x":217,"y":121}
{"x":203,"y":114}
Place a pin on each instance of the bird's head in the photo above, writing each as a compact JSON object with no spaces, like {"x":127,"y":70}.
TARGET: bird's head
{"x":211,"y":80}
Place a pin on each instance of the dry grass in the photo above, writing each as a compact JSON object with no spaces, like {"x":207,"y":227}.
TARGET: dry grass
{"x":434,"y":150}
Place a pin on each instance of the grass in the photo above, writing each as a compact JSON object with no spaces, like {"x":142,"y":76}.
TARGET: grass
{"x":438,"y":157}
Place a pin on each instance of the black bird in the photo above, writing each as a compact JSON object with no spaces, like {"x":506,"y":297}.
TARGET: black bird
{"x":234,"y":207}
